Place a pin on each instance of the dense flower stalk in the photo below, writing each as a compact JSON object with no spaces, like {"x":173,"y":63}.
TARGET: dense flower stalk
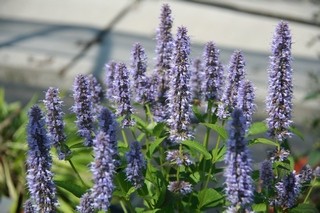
{"x":236,"y":76}
{"x":213,"y":81}
{"x":176,"y":157}
{"x":239,"y":184}
{"x":39,"y":176}
{"x":245,"y":101}
{"x":136,"y":165}
{"x":138,"y":68}
{"x":288,"y":190}
{"x":55,"y":123}
{"x":109,"y":79}
{"x":180,"y":95}
{"x":197,"y":77}
{"x":86,"y":203}
{"x":279,"y":100}
{"x":28,"y":207}
{"x":83,"y":108}
{"x":122,"y":95}
{"x":180,"y":187}
{"x":164,"y":54}
{"x":108,"y":125}
{"x":103,"y":170}
{"x":266,"y":173}
{"x":305,"y":174}
{"x":96,"y":95}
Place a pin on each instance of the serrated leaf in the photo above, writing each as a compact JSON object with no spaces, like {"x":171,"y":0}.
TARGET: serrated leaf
{"x":155,"y":145}
{"x":71,"y":187}
{"x":195,"y":145}
{"x":305,"y":208}
{"x":257,"y":128}
{"x":209,"y":198}
{"x":219,"y":129}
{"x":263,"y":141}
{"x":259,"y":207}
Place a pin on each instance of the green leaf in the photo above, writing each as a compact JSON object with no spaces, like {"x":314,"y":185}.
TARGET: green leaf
{"x":257,"y":128}
{"x":297,"y":132}
{"x":263,"y":141}
{"x":71,"y":187}
{"x":157,"y":130}
{"x":195,"y":145}
{"x":217,"y":128}
{"x":220,"y":154}
{"x":209,"y":198}
{"x":155,"y":145}
{"x":305,"y":208}
{"x":198,"y":114}
{"x":259,"y":207}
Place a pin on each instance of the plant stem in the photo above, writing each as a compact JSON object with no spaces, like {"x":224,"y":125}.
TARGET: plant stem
{"x":127,"y":202}
{"x":77,"y":173}
{"x":310,"y":190}
{"x":124,"y":137}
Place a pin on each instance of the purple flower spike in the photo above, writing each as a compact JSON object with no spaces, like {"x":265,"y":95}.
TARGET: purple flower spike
{"x":213,"y":81}
{"x":245,"y":101}
{"x":39,"y":177}
{"x":266,"y":173}
{"x":136,"y":165}
{"x":236,"y":75}
{"x":103,"y":170}
{"x":55,"y":123}
{"x":197,"y":77}
{"x":279,"y":100}
{"x":122,"y":95}
{"x":164,"y":54}
{"x":86,"y":204}
{"x":28,"y":207}
{"x":83,"y":108}
{"x":109,"y":80}
{"x":288,"y":190}
{"x":180,"y":95}
{"x":96,"y":94}
{"x":175,"y":157}
{"x":139,"y":68}
{"x":239,"y":184}
{"x":180,"y":187}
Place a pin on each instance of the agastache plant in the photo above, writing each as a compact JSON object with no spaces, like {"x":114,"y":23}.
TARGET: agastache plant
{"x":140,"y":82}
{"x":86,"y":203}
{"x":136,"y":165}
{"x":103,"y":170}
{"x":279,"y":100}
{"x":83,"y":108}
{"x":39,"y":176}
{"x":213,"y":80}
{"x":236,"y":76}
{"x":96,"y":94}
{"x":109,"y":79}
{"x":239,"y":184}
{"x":164,"y":53}
{"x":55,"y":123}
{"x":180,"y":95}
{"x":266,"y":174}
{"x":245,"y":101}
{"x":197,"y":76}
{"x":122,"y":95}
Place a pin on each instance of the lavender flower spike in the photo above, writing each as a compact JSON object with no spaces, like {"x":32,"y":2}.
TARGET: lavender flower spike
{"x":164,"y":54}
{"x":103,"y":170}
{"x":197,"y":76}
{"x":245,"y":101}
{"x":55,"y":123}
{"x":213,"y":81}
{"x":181,"y":187}
{"x":83,"y":108}
{"x":180,"y":95}
{"x":288,"y":190}
{"x":236,"y":75}
{"x":109,"y":79}
{"x":136,"y":165}
{"x":96,"y":94}
{"x":28,"y":207}
{"x":86,"y":203}
{"x":139,"y":68}
{"x":122,"y":95}
{"x":39,"y":177}
{"x":239,"y":184}
{"x":279,"y":100}
{"x":266,"y":173}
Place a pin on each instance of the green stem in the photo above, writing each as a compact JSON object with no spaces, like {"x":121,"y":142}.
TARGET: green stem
{"x":127,"y":202}
{"x":124,"y":137}
{"x":209,"y":113}
{"x":77,"y":173}
{"x":310,"y":190}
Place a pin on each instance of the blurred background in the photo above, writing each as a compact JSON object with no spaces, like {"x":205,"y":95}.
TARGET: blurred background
{"x":48,"y":42}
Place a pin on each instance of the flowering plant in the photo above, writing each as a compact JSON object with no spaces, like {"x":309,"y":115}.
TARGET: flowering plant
{"x":140,"y":149}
